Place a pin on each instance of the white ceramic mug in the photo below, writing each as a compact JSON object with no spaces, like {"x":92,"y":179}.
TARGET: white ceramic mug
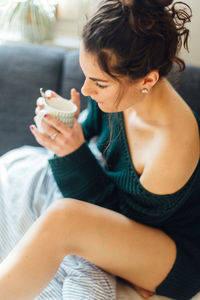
{"x":62,"y":109}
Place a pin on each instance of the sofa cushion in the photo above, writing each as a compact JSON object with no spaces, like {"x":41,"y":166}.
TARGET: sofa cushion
{"x":23,"y":70}
{"x":187,"y":84}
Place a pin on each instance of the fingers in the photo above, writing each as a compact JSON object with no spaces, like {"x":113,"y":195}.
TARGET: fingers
{"x":51,"y":94}
{"x":40,"y":101}
{"x":58,"y":137}
{"x":75,"y":98}
{"x":43,"y":139}
{"x":37,"y":110}
{"x":52,"y":125}
{"x":48,"y":95}
{"x":50,"y":121}
{"x":40,"y":104}
{"x":48,"y":129}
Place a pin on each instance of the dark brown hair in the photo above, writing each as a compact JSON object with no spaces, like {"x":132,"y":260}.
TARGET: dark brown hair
{"x":144,"y":35}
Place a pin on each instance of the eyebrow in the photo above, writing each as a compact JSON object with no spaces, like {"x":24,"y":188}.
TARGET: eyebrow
{"x":96,"y":79}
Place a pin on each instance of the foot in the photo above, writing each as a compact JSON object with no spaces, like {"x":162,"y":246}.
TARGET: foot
{"x":144,"y":293}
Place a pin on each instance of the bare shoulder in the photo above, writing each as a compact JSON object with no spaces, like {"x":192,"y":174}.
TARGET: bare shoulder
{"x":175,"y":155}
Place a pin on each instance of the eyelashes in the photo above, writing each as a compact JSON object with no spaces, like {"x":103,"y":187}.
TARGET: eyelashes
{"x":101,"y":86}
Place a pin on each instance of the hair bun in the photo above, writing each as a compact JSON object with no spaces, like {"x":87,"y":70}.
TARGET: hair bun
{"x":165,"y":2}
{"x":145,"y":3}
{"x":127,"y":3}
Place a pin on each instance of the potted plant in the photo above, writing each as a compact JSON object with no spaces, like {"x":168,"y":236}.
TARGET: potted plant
{"x":28,"y":20}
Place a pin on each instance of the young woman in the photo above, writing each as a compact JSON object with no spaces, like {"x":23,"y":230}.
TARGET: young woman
{"x":137,"y":217}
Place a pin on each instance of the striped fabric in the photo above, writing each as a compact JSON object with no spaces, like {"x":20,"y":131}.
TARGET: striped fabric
{"x":27,"y":188}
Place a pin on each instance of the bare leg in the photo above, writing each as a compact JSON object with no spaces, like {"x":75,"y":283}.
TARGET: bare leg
{"x":137,"y":253}
{"x":33,"y":253}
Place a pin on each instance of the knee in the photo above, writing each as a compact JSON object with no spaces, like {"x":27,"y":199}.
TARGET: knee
{"x":64,"y":212}
{"x":64,"y":217}
{"x":67,"y":208}
{"x":63,"y":205}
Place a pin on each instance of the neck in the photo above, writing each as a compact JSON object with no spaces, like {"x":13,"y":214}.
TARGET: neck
{"x":150,"y":106}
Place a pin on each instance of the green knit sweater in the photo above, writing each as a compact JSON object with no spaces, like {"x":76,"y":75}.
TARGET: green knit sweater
{"x":116,"y":186}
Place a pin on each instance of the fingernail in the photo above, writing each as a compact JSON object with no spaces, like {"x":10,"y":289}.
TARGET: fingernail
{"x":40,"y":101}
{"x":48,"y":94}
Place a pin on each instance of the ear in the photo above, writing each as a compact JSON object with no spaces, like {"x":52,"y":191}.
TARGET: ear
{"x":150,"y":80}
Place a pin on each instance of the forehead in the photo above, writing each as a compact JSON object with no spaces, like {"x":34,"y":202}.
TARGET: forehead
{"x":89,"y":64}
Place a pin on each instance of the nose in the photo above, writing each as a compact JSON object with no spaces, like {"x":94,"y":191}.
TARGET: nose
{"x":87,"y":89}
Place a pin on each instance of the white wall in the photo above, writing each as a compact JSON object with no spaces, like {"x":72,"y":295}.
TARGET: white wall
{"x":193,"y":57}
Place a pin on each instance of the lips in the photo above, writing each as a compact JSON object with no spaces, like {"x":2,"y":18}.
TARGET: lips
{"x":99,"y":102}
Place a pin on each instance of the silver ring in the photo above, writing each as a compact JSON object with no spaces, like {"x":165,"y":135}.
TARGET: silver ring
{"x":53,"y":137}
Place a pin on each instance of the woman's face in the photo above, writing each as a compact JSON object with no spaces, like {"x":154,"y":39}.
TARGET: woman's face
{"x":104,"y":89}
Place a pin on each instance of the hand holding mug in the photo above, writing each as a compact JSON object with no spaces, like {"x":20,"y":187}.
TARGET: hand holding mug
{"x":62,"y":109}
{"x":57,"y":132}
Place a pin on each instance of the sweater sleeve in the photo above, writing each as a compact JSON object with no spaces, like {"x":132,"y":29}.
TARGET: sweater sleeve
{"x":79,"y":175}
{"x":91,"y":125}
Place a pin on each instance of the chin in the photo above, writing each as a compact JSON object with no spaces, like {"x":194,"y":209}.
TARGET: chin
{"x":105,"y":109}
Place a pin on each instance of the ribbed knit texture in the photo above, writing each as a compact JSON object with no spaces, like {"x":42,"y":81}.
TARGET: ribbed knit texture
{"x":117,"y":186}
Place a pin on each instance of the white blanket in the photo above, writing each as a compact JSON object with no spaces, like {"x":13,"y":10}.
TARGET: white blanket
{"x":27,"y":188}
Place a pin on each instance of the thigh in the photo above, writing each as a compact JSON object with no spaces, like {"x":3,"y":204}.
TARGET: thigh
{"x":138,"y":253}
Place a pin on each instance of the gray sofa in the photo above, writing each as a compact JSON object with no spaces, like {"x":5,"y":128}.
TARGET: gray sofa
{"x":23,"y":70}
{"x":26,"y":68}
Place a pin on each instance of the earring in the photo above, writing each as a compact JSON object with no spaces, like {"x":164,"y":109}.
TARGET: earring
{"x":144,"y":91}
